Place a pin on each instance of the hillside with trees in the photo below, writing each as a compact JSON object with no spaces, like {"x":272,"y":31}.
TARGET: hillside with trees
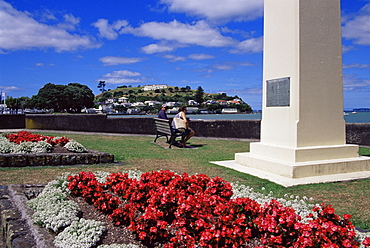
{"x":74,"y":97}
{"x":174,"y":94}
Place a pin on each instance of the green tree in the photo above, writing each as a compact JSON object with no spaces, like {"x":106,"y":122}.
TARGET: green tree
{"x":101,"y":86}
{"x":78,"y":96}
{"x":72,"y":97}
{"x":199,"y":95}
{"x":244,"y":107}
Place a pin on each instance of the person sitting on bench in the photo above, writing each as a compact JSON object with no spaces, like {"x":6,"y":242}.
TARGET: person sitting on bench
{"x":188,"y":131}
{"x":162,"y":113}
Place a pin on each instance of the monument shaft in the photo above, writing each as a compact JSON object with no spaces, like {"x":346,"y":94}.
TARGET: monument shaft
{"x":302,"y":41}
{"x":302,"y":115}
{"x":302,"y":129}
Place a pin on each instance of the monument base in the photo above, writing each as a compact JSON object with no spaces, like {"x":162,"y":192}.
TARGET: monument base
{"x":297,"y":173}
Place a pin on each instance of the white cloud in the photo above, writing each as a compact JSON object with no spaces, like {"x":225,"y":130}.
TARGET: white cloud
{"x":70,"y":22}
{"x":358,"y":66}
{"x":110,"y":60}
{"x":44,"y":65}
{"x":71,"y":19}
{"x":225,"y":67}
{"x":199,"y":33}
{"x":121,"y":80}
{"x":200,"y":56}
{"x":18,"y":30}
{"x":250,"y":91}
{"x":109,"y":31}
{"x":358,"y":28}
{"x":253,"y":45}
{"x":9,"y":88}
{"x":122,"y":77}
{"x":347,"y":48}
{"x":161,"y":47}
{"x":122,"y":73}
{"x":353,"y":83}
{"x":246,"y":64}
{"x":174,"y":58}
{"x":218,"y":11}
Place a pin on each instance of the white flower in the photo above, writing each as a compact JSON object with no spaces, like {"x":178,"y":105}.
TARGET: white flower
{"x":74,"y":146}
{"x":52,"y":208}
{"x":80,"y":234}
{"x":119,"y":246}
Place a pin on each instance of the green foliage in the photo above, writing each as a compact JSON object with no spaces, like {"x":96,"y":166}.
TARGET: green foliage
{"x":19,"y":103}
{"x":101,"y":86}
{"x":171,"y":94}
{"x":199,"y":95}
{"x":72,"y":97}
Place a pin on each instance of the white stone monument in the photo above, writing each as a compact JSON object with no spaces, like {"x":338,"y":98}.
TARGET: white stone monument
{"x":303,"y":138}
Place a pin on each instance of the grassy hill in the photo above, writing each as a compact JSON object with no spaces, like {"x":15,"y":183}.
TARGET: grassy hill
{"x":170,"y":94}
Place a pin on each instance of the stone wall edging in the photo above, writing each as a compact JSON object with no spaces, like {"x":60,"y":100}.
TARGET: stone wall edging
{"x":18,"y":229}
{"x":55,"y":159}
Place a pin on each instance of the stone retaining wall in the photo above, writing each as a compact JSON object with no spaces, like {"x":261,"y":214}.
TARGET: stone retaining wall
{"x":12,"y":121}
{"x":54,"y":159}
{"x":357,"y":133}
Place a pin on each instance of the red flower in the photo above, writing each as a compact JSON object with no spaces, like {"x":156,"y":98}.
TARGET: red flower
{"x":193,"y":211}
{"x":25,"y":136}
{"x":366,"y":242}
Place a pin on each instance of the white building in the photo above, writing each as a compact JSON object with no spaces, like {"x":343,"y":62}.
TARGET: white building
{"x":155,"y":87}
{"x":152,"y":103}
{"x":192,"y":103}
{"x":138,"y":104}
{"x":122,"y":99}
{"x":229,"y":111}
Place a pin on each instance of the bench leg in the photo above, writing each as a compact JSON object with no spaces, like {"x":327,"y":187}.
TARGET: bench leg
{"x":157,"y":136}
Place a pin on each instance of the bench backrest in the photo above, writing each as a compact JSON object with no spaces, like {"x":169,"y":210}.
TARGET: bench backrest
{"x":163,"y":126}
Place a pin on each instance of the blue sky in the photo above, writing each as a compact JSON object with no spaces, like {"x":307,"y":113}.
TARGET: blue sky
{"x":210,"y":43}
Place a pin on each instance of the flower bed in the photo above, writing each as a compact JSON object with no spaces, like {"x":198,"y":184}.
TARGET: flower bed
{"x":172,"y":210}
{"x":26,"y":142}
{"x":28,"y":149}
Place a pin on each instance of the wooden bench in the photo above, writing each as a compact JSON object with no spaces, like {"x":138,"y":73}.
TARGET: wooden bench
{"x":163,"y":128}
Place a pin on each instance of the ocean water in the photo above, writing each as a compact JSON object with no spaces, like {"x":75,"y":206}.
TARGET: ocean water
{"x":349,"y":117}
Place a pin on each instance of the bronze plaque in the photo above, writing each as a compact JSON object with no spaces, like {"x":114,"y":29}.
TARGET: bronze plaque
{"x":278,"y":92}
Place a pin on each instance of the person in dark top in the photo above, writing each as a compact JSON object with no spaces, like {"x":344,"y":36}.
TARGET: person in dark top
{"x":162,"y":113}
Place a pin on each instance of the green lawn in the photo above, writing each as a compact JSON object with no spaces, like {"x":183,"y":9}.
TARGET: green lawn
{"x":139,"y":152}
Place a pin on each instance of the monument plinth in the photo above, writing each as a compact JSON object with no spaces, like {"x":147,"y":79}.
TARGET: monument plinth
{"x":302,"y":127}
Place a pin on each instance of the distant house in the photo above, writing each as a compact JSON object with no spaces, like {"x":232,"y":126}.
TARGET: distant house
{"x":209,"y":102}
{"x":111,"y":100}
{"x":138,"y":104}
{"x":222,"y":102}
{"x":171,"y":104}
{"x":229,"y":111}
{"x":192,"y":103}
{"x":155,"y":87}
{"x":152,"y":103}
{"x":122,"y":99}
{"x":233,"y":102}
